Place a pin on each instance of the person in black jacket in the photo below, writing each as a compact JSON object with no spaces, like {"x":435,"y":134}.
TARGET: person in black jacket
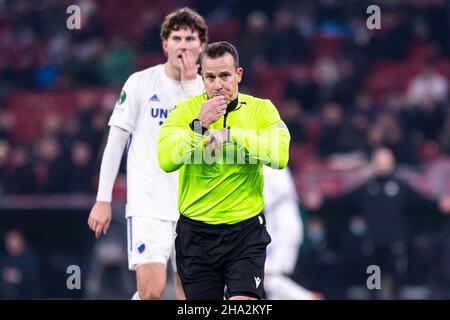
{"x":387,"y":204}
{"x":19,"y":269}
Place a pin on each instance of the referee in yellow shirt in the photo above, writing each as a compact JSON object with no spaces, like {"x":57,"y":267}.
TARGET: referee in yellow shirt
{"x":219,"y":141}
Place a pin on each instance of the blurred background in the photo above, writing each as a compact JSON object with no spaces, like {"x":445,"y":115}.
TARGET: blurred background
{"x":342,"y":89}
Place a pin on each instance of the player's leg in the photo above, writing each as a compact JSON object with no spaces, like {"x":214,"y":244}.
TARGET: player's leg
{"x":179,"y":288}
{"x":286,"y":229}
{"x":151,"y":280}
{"x":199,"y":273}
{"x":244,"y":273}
{"x":177,"y":281}
{"x":149,"y":246}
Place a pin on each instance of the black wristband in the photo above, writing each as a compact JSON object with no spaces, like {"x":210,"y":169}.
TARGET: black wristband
{"x":196,"y":126}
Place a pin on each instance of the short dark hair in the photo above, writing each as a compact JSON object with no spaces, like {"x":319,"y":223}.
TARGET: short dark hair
{"x":218,"y":49}
{"x":182,"y":18}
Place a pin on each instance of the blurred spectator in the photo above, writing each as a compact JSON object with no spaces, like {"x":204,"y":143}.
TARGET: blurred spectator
{"x":86,"y":59}
{"x":394,"y":138}
{"x":91,"y":26}
{"x":253,"y":44}
{"x":286,"y":43}
{"x":338,"y":135}
{"x":25,"y":69}
{"x":19,"y":269}
{"x":19,"y":179}
{"x":92,"y":121}
{"x":109,"y":277}
{"x":50,"y":10}
{"x":7,"y":78}
{"x":444,"y":138}
{"x":151,"y":25}
{"x":80,"y":177}
{"x":348,"y":85}
{"x":427,"y":84}
{"x":45,"y":74}
{"x":117,"y":62}
{"x":95,"y":133}
{"x":429,"y":119}
{"x":388,"y":205}
{"x":318,"y":261}
{"x":242,"y":9}
{"x":302,"y":88}
{"x":51,"y":168}
{"x":292,"y":115}
{"x":375,"y":138}
{"x":391,"y":42}
{"x":51,"y":125}
{"x":325,"y":74}
{"x":356,"y":252}
{"x":6,"y":123}
{"x":4,"y":155}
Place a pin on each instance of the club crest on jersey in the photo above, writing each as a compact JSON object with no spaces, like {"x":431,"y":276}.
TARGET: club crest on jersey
{"x":122,"y":97}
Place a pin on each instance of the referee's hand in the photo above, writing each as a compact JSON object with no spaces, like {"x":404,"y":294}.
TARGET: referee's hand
{"x":100,"y":218}
{"x":212,"y":110}
{"x":216,"y":139}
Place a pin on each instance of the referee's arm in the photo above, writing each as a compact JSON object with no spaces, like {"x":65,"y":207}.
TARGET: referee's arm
{"x":176,"y":140}
{"x":269,"y":143}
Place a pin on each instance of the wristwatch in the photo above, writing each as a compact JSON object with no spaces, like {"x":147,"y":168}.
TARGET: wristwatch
{"x":196,"y":126}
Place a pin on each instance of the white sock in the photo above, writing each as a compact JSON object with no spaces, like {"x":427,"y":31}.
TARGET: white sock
{"x":136,"y":296}
{"x":280,"y":287}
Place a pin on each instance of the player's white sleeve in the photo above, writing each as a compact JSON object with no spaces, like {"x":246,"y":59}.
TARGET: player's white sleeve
{"x":127,"y":108}
{"x":190,"y":87}
{"x":117,"y":140}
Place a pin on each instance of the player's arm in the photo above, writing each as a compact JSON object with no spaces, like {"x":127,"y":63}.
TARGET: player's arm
{"x":100,"y":216}
{"x":176,"y":140}
{"x":269,"y":143}
{"x":123,"y":119}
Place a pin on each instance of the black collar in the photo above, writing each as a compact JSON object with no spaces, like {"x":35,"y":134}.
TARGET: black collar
{"x":232,"y":105}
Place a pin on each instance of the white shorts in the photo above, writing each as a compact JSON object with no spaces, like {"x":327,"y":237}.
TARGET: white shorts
{"x":150,"y":240}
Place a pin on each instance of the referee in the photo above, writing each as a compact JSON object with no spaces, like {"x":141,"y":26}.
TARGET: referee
{"x":219,"y":141}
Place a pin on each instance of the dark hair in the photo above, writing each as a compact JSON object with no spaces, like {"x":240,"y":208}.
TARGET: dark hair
{"x":181,"y":18}
{"x":218,"y":49}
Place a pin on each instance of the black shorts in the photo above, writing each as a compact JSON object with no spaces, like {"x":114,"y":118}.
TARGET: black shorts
{"x":212,"y":256}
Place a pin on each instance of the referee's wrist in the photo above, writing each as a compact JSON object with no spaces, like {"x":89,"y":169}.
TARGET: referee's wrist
{"x":197,"y":126}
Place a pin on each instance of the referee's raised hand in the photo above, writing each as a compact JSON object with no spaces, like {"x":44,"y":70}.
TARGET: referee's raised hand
{"x":212,"y":110}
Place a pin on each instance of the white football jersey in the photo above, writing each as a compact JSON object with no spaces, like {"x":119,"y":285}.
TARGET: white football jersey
{"x":141,"y":109}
